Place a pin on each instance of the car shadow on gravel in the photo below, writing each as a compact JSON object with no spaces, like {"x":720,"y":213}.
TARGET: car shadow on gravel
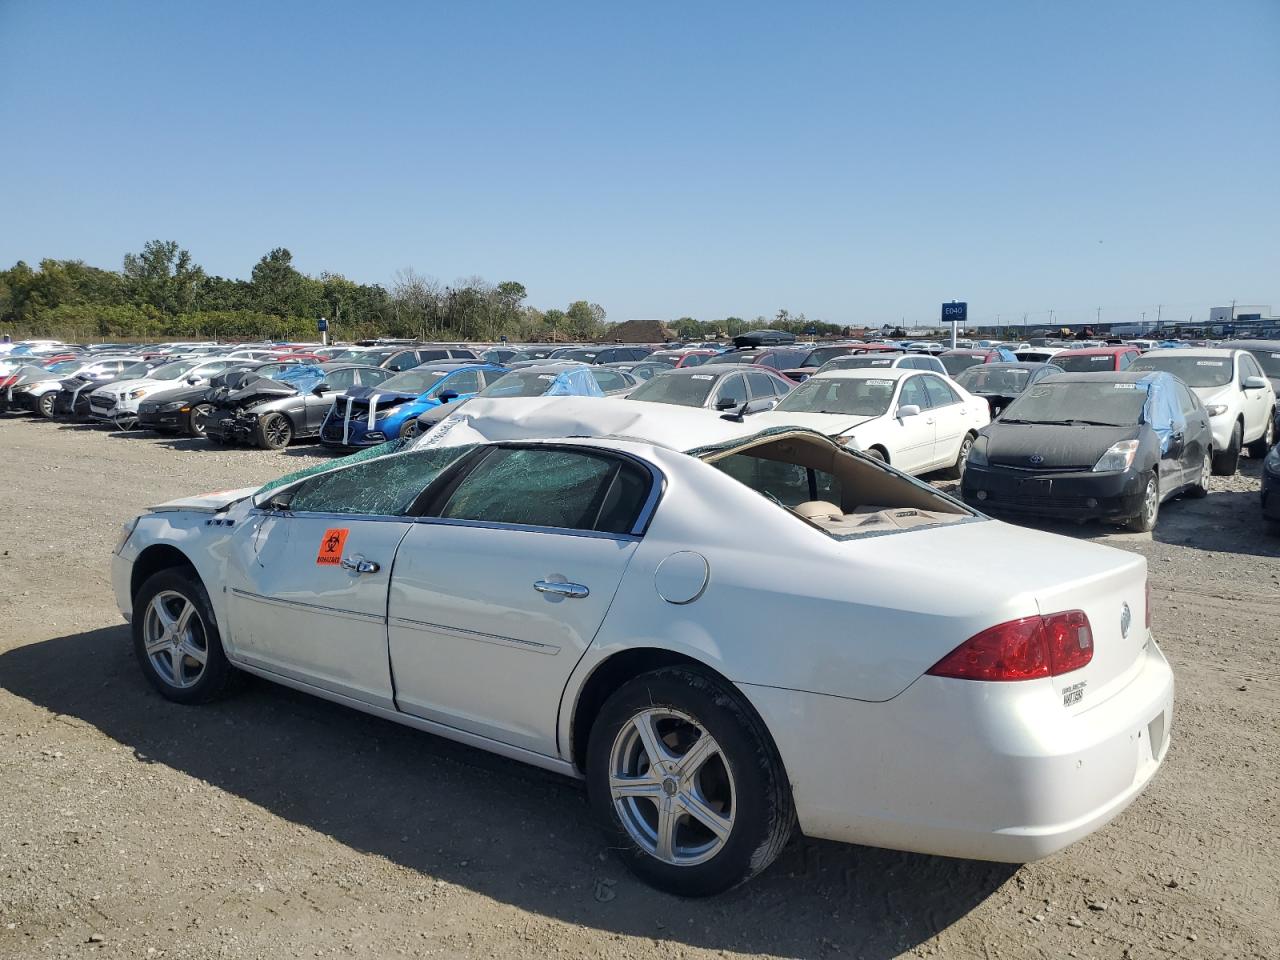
{"x":494,"y":826}
{"x":1226,"y":521}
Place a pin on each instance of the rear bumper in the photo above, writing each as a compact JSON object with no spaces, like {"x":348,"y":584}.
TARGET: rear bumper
{"x":946,"y":769}
{"x":1073,"y":496}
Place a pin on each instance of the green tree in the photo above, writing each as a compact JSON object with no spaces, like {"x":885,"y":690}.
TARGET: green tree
{"x":164,"y":276}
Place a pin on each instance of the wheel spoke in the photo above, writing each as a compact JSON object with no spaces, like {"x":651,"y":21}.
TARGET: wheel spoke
{"x":654,"y":748}
{"x":668,"y":816}
{"x":186,"y":646}
{"x":644,"y":786}
{"x":713,"y":821}
{"x":184,"y":617}
{"x":162,"y":614}
{"x":703,"y":749}
{"x":158,"y":645}
{"x":175,"y":665}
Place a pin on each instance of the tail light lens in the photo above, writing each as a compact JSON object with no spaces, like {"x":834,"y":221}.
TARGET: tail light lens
{"x":1025,"y":649}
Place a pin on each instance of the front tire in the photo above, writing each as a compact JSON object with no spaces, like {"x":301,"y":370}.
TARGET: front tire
{"x":1257,"y":450}
{"x":1145,"y":521}
{"x":715,"y":809}
{"x":274,"y":432}
{"x":176,"y":639}
{"x":197,"y":419}
{"x":409,"y":429}
{"x":44,"y":406}
{"x":1227,"y":461}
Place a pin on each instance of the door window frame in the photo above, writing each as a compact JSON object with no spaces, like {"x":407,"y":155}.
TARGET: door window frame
{"x":433,"y":499}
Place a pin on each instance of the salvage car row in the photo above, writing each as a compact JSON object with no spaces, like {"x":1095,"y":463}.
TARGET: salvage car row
{"x":1101,"y":432}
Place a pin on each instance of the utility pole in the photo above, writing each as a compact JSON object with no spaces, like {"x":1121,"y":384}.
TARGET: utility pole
{"x":1098,"y":315}
{"x":1159,"y":310}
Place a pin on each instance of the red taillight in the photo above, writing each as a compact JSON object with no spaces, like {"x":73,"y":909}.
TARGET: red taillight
{"x":1025,"y":649}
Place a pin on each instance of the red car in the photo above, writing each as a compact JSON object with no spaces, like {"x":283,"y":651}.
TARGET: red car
{"x":1096,"y":359}
{"x":683,"y":358}
{"x":962,"y":359}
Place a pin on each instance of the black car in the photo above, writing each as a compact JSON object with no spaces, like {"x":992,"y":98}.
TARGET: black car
{"x":399,"y":358}
{"x":185,"y":411}
{"x":72,"y":398}
{"x":1001,"y":383}
{"x":271,"y":413}
{"x":764,"y":338}
{"x":1081,"y":446}
{"x":1271,"y":489}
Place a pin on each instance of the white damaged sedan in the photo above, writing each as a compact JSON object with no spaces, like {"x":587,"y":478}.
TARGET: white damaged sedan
{"x":726,"y":632}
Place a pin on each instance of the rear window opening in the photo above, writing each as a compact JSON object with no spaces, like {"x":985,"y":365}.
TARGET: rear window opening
{"x":837,"y":491}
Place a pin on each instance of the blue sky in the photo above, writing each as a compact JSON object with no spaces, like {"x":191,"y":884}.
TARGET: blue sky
{"x":858,"y":162}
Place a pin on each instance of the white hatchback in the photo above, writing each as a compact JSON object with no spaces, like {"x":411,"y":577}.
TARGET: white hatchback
{"x":1235,"y":391}
{"x":915,"y":420}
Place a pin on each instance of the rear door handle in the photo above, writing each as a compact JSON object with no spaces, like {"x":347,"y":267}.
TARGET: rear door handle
{"x":359,"y":565}
{"x":574,"y":591}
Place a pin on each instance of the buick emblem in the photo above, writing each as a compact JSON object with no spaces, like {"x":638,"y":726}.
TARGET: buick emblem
{"x":1126,"y":618}
{"x":1036,"y":458}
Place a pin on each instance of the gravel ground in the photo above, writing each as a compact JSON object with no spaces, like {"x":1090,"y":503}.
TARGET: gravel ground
{"x":276,"y":825}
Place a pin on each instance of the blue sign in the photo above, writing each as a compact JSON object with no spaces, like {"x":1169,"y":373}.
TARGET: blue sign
{"x":954,"y":312}
{"x":322,"y":325}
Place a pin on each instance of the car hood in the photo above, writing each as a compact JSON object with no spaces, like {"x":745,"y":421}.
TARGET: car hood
{"x":1225,"y":394}
{"x":204,"y":503}
{"x":1056,"y":447}
{"x":831,"y":424}
{"x":385,"y":398}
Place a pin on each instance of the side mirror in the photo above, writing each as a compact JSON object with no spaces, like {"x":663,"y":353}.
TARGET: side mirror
{"x":726,"y":403}
{"x":908,"y":410}
{"x":1255,"y":383}
{"x":444,"y":396}
{"x":760,"y":406}
{"x":193,"y":380}
{"x":320,"y":389}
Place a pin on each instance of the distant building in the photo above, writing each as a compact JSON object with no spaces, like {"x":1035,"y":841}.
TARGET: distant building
{"x":1241,"y":312}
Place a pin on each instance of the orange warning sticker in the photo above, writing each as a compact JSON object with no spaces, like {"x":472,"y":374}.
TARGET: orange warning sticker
{"x":331,"y":546}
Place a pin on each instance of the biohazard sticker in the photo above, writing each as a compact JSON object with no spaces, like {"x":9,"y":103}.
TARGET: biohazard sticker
{"x":331,"y":545}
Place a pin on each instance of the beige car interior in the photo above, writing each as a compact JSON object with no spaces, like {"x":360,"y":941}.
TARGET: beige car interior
{"x":856,"y":496}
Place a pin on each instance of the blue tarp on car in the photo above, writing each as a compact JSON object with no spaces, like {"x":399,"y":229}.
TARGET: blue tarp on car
{"x":1162,"y":409}
{"x":574,"y":382}
{"x":302,"y":376}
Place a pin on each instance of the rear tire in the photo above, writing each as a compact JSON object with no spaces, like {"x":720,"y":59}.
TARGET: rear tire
{"x":875,"y":453}
{"x":1145,"y":521}
{"x":736,"y":782}
{"x":956,"y":472}
{"x":1201,"y":487}
{"x":171,"y":657}
{"x":1257,"y":450}
{"x":1226,"y":462}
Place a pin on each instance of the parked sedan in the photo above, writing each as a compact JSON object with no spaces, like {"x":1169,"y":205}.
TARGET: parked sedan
{"x":72,"y":398}
{"x":1239,"y":398}
{"x":715,"y":387}
{"x":884,"y":360}
{"x":913,"y":419}
{"x":640,"y":369}
{"x":1097,"y":359}
{"x":956,"y":360}
{"x":368,"y":416}
{"x":570,"y":600}
{"x":273,"y":413}
{"x":1109,"y":446}
{"x":118,"y":403}
{"x":1000,"y":383}
{"x":187,"y":410}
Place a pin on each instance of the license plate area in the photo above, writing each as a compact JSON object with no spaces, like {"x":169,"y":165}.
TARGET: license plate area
{"x":1155,"y":735}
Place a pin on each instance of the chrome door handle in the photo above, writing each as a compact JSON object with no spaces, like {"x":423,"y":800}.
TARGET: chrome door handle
{"x":574,"y":591}
{"x":358,"y":565}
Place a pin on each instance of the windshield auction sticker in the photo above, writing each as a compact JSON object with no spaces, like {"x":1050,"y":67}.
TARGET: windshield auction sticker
{"x":331,"y":546}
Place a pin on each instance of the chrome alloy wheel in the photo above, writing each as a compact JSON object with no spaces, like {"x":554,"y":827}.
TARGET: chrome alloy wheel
{"x":175,"y":640}
{"x":1206,"y":470}
{"x":672,"y":787}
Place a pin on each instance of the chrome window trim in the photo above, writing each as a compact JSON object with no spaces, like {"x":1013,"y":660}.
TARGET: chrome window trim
{"x":528,"y":528}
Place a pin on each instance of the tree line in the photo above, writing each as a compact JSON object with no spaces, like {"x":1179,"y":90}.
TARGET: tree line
{"x":162,"y":293}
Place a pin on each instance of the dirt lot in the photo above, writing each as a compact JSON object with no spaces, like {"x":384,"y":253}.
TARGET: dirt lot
{"x":275,"y":825}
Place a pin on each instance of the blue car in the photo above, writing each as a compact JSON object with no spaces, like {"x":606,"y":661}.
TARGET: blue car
{"x":543,"y":380}
{"x":367,"y":416}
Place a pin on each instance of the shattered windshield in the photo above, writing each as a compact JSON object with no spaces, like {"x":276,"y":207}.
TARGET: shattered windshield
{"x":1193,"y":371}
